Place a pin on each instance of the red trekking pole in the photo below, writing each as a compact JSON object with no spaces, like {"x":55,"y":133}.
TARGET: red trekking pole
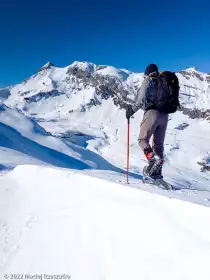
{"x":128,"y":148}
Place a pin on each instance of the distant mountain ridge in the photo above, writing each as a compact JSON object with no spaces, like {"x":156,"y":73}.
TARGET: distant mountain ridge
{"x":82,"y":85}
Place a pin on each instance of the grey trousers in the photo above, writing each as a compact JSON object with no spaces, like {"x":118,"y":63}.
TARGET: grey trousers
{"x":154,"y":124}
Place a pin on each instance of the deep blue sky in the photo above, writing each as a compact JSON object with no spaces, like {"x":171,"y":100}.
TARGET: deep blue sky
{"x":127,"y":34}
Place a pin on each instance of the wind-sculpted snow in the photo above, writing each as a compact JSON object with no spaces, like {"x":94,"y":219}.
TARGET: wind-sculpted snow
{"x":11,"y":139}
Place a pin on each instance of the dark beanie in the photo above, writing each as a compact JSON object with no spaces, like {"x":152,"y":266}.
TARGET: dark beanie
{"x":150,"y":69}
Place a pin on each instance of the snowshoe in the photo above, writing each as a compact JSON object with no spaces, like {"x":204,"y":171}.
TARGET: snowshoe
{"x":156,"y":180}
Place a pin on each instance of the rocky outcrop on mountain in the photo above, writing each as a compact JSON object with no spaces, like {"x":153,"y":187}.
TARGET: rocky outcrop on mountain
{"x":83,"y":74}
{"x":205,"y":164}
{"x":195,"y":113}
{"x":107,"y":86}
{"x":185,"y":74}
{"x":42,"y":95}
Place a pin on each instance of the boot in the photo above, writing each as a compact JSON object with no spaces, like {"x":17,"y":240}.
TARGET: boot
{"x":158,"y":173}
{"x":154,"y":169}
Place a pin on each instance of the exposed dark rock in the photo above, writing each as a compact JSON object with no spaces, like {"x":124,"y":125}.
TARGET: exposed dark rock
{"x":42,"y":95}
{"x":100,"y":67}
{"x":185,"y":74}
{"x":208,"y":77}
{"x":205,"y":165}
{"x":182,"y":126}
{"x":195,"y":113}
{"x":80,"y":74}
{"x":194,"y":73}
{"x":198,"y":75}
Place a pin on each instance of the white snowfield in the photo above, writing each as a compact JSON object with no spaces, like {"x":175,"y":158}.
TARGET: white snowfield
{"x":64,"y":222}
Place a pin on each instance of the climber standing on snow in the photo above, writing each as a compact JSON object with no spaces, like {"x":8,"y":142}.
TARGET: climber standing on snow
{"x":158,"y":96}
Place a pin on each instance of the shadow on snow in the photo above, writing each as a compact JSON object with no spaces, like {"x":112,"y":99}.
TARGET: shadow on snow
{"x":12,"y":139}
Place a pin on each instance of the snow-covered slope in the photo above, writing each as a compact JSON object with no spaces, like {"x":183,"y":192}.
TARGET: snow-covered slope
{"x":65,"y":223}
{"x":23,"y":141}
{"x":89,"y":143}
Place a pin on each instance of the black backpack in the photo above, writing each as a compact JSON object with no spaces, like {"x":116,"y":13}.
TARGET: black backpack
{"x":168,"y":92}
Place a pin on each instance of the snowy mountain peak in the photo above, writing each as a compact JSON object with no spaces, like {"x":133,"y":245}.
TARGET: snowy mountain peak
{"x":48,"y":65}
{"x":191,"y":69}
{"x":113,"y":72}
{"x":84,"y":66}
{"x":193,"y":73}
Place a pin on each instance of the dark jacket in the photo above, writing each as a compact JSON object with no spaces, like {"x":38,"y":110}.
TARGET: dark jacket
{"x":147,"y":93}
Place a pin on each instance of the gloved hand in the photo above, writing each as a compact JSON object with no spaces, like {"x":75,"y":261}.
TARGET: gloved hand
{"x":129,"y":112}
